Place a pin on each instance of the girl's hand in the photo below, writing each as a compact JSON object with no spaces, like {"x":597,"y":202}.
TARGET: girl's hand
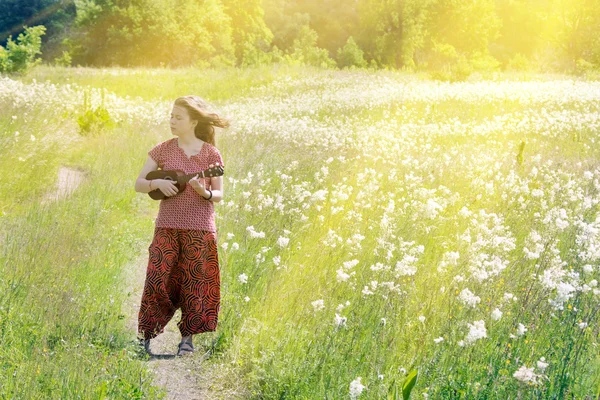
{"x":198,"y":186}
{"x":166,"y":186}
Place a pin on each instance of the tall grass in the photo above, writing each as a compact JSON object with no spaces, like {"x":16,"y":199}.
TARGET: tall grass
{"x":167,"y":84}
{"x":64,"y":262}
{"x":382,"y":183}
{"x":346,"y":196}
{"x":61,"y":326}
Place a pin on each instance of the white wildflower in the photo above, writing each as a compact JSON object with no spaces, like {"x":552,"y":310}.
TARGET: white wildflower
{"x":526,"y":375}
{"x":318,"y":304}
{"x":476,"y":331}
{"x":340,"y":321}
{"x":541,"y":364}
{"x":464,"y":212}
{"x":367,"y":291}
{"x":255,"y":234}
{"x":405,"y":267}
{"x":432,"y":208}
{"x":537,"y":193}
{"x":564,"y":291}
{"x":468,"y":298}
{"x":342,"y":276}
{"x":319,"y":195}
{"x":356,"y":388}
{"x":496,"y":314}
{"x":509,"y":296}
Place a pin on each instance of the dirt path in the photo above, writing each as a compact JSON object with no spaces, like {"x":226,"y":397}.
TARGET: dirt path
{"x":68,"y":180}
{"x":184,"y":378}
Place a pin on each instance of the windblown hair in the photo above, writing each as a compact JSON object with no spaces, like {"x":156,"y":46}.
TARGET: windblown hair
{"x":199,"y":110}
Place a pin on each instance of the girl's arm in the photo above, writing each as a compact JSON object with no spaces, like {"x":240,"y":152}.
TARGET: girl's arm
{"x":216,"y":186}
{"x":143,"y":185}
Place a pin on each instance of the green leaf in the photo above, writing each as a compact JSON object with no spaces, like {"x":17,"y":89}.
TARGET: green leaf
{"x":393,"y":391}
{"x":409,"y":383}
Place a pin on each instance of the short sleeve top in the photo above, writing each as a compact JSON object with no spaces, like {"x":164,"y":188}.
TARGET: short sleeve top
{"x":186,"y":210}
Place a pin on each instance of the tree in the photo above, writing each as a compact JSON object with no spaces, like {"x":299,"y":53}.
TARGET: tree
{"x":305,"y":50}
{"x":56,"y":15}
{"x":520,"y":19}
{"x":574,"y":29}
{"x":392,"y":31}
{"x":467,"y":25}
{"x":19,"y":56}
{"x":152,"y":33}
{"x":15,"y":13}
{"x":351,"y":55}
{"x":284,"y":22}
{"x":250,"y":33}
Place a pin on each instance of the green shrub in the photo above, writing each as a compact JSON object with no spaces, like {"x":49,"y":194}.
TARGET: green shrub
{"x":518,"y":63}
{"x":305,"y":50}
{"x":583,"y":67}
{"x":484,"y":62}
{"x":447,"y":64}
{"x":64,"y":60}
{"x":93,"y":119}
{"x":351,"y":55}
{"x":19,"y":56}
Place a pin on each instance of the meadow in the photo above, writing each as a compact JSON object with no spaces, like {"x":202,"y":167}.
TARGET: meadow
{"x":374,"y":223}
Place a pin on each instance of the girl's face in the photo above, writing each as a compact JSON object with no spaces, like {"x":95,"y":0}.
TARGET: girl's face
{"x":180,"y":121}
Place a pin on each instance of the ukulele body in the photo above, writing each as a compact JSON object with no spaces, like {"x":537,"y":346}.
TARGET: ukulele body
{"x":170,"y":175}
{"x":180,"y":179}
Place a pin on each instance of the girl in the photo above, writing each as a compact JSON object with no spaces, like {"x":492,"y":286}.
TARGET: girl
{"x":183,"y":266}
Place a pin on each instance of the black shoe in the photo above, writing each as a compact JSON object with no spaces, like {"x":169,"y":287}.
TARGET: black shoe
{"x":185,"y":348}
{"x":145,"y":343}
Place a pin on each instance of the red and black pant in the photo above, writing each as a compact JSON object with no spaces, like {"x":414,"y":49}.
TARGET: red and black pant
{"x":183,"y":271}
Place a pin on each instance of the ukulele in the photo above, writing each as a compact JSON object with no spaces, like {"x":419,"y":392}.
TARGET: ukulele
{"x":179,"y":179}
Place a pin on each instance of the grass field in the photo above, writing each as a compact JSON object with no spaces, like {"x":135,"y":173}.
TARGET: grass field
{"x":374,"y":223}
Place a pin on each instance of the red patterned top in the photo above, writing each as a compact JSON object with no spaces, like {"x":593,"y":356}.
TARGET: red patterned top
{"x":186,"y":210}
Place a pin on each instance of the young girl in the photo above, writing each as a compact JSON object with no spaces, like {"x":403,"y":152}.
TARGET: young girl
{"x":183,"y":266}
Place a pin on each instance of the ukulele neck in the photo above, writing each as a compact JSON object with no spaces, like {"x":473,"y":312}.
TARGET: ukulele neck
{"x":186,"y":178}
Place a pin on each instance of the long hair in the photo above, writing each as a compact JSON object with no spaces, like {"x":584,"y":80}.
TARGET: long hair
{"x":199,"y":110}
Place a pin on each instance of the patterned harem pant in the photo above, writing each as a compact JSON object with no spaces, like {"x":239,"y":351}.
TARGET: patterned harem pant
{"x":183,"y":271}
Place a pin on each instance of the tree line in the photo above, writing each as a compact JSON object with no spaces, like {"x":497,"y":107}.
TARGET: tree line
{"x":448,"y":38}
